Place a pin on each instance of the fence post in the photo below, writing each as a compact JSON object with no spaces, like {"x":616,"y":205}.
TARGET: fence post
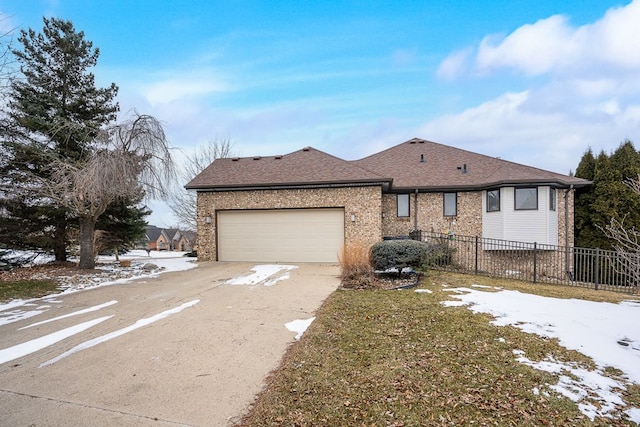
{"x":596,"y":279}
{"x":476,"y":261}
{"x":535,"y":261}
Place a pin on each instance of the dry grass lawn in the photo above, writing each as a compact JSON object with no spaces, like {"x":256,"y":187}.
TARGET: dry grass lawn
{"x":400,"y":358}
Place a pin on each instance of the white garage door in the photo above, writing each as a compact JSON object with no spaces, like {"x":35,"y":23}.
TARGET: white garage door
{"x":285,"y":235}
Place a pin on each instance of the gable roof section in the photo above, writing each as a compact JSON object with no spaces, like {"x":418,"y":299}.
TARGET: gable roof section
{"x":425,"y":165}
{"x":306,"y":167}
{"x":153,"y":233}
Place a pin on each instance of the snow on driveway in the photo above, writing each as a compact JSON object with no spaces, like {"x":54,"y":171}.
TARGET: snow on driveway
{"x":17,"y":310}
{"x":608,"y":333}
{"x":137,"y":325}
{"x":269,"y":275}
{"x":263,"y":272}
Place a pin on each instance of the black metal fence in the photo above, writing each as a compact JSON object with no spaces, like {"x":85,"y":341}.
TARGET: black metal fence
{"x":583,"y":267}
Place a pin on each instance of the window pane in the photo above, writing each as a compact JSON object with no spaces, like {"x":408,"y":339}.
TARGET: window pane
{"x":526,"y":198}
{"x":450,"y":202}
{"x":552,"y":199}
{"x":403,"y":205}
{"x":493,"y":200}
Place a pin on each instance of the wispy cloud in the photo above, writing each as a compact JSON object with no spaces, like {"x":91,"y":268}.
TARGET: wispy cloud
{"x":189,"y":84}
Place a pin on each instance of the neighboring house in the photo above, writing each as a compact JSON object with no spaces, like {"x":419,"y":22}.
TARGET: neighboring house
{"x":307,"y":205}
{"x":186,"y":242}
{"x":182,"y":241}
{"x":173,"y":235}
{"x":157,"y":238}
{"x":169,"y":239}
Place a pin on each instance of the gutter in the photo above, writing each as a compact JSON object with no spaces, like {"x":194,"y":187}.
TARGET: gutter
{"x":209,"y":189}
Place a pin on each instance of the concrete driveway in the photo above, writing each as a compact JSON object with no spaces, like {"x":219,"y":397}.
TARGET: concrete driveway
{"x":186,"y":349}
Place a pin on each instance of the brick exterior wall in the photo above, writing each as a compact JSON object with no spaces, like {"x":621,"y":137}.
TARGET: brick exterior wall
{"x":430,"y":208}
{"x":375,"y":213}
{"x":363,"y":202}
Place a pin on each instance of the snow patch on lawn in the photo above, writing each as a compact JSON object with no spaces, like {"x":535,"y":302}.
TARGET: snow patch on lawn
{"x":166,"y":262}
{"x":608,"y":333}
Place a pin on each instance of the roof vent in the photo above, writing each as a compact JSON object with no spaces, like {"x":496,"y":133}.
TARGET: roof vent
{"x":278,"y":157}
{"x":235,"y":159}
{"x":421,"y":158}
{"x":306,"y":149}
{"x":257,"y":158}
{"x":463,"y":168}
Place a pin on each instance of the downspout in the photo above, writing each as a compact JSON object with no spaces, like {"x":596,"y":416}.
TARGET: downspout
{"x":415,"y":210}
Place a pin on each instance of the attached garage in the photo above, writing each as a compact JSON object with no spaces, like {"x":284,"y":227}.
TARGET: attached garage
{"x":280,"y":235}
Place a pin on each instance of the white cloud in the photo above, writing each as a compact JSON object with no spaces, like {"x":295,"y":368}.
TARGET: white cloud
{"x":553,"y":45}
{"x":616,"y":36}
{"x":533,"y":49}
{"x":518,"y":127}
{"x":586,"y":92}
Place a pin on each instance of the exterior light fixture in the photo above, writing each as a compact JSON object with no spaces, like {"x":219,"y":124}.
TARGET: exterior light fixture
{"x":207,"y":219}
{"x":353,"y":217}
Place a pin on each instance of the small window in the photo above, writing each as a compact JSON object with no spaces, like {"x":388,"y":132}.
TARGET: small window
{"x":526,"y":199}
{"x":403,"y":205}
{"x":552,"y":199}
{"x":493,"y":200}
{"x":450,"y":204}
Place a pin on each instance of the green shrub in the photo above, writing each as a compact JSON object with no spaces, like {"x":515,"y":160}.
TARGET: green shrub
{"x":398,"y":254}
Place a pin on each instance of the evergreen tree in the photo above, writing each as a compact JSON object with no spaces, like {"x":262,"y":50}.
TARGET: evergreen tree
{"x":122,"y":225}
{"x":608,"y":198}
{"x":54,"y":112}
{"x":585,"y":230}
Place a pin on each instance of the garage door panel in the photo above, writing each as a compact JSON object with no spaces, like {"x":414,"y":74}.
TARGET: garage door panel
{"x":288,"y":235}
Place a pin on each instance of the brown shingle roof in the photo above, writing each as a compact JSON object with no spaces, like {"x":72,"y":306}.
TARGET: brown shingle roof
{"x":427,"y":165}
{"x":303,"y":167}
{"x":414,"y":164}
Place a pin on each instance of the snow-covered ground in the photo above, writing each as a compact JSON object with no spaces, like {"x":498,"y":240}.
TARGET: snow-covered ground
{"x":607,"y":333}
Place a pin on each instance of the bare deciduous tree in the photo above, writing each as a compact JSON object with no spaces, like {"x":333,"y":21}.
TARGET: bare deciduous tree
{"x":6,"y":59}
{"x":131,"y":158}
{"x":627,"y":241}
{"x":183,"y":202}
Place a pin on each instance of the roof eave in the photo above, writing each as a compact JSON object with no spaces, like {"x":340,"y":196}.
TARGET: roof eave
{"x":292,"y":185}
{"x":489,"y":185}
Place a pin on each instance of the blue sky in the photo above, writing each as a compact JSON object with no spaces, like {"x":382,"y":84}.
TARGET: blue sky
{"x":535,"y":82}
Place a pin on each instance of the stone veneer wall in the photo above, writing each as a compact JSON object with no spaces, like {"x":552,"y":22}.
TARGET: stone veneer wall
{"x":363,"y":202}
{"x":431,"y":215}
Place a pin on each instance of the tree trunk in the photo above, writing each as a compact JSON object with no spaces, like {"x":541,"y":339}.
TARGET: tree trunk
{"x":60,"y":241}
{"x":87,"y":257}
